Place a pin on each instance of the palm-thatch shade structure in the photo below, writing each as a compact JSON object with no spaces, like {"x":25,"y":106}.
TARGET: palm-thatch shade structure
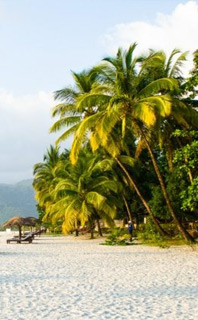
{"x":16,"y":221}
{"x":31,"y":221}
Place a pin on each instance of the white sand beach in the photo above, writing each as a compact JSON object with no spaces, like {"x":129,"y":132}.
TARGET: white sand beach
{"x":58,"y":278}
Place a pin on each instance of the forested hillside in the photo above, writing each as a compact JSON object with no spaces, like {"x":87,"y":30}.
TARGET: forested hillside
{"x":17,"y":200}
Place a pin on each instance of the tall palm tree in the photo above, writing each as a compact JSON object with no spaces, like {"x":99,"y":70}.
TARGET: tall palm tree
{"x":128,"y":99}
{"x":93,"y":110}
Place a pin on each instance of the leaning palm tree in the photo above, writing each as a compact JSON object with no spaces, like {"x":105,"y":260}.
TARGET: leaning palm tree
{"x":124,"y":96}
{"x":89,"y":111}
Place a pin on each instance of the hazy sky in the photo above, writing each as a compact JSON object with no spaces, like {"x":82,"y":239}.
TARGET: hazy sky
{"x":42,"y":40}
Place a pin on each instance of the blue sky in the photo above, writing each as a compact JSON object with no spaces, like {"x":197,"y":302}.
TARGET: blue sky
{"x":42,"y":40}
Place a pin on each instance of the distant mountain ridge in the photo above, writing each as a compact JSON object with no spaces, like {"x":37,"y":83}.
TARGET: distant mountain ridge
{"x":17,"y":200}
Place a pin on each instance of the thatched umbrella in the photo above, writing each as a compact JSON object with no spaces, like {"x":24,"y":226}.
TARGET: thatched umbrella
{"x":31,"y":221}
{"x":16,"y":221}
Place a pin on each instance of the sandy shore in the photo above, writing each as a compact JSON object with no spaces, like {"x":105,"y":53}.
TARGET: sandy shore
{"x":64,"y":278}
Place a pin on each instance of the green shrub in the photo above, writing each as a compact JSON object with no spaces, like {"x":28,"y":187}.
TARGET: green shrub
{"x":149,"y":235}
{"x":117,"y":237}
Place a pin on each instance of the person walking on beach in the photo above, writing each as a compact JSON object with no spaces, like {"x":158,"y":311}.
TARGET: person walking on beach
{"x":130,"y":229}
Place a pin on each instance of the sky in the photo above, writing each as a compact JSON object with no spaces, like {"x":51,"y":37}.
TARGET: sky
{"x":41,"y":41}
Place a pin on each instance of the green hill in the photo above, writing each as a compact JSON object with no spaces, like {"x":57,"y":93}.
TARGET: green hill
{"x":17,"y":200}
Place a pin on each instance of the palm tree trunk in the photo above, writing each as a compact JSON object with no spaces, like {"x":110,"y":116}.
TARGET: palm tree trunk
{"x":92,"y":225}
{"x":183,"y":232}
{"x":156,"y":223}
{"x":99,"y":227}
{"x":128,"y":209}
{"x":92,"y":232}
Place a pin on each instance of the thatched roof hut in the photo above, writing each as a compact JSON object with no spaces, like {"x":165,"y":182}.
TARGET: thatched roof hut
{"x":16,"y":221}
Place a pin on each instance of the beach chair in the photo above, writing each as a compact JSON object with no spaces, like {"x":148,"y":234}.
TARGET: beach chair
{"x":38,"y":232}
{"x":29,"y":238}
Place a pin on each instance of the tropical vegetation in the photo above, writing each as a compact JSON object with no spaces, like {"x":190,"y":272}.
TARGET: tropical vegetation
{"x":134,"y":125}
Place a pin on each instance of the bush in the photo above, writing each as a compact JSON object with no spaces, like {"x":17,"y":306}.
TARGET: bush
{"x":117,"y":237}
{"x":150,"y":235}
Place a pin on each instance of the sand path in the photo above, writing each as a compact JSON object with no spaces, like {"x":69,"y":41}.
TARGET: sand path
{"x":64,"y":278}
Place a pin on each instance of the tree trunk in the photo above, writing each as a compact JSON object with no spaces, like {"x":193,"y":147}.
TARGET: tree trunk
{"x":183,"y":232}
{"x":128,"y":209}
{"x":99,"y":227}
{"x":92,"y":233}
{"x":158,"y":227}
{"x":92,"y":226}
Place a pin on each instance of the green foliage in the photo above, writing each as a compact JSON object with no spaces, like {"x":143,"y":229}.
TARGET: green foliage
{"x":189,"y":196}
{"x":117,"y":237}
{"x":186,"y":160}
{"x":158,"y":205}
{"x":191,"y":85}
{"x":149,"y":235}
{"x":75,"y":195}
{"x":127,"y":108}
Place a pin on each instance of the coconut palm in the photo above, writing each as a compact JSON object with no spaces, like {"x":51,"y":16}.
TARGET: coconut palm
{"x":93,"y":110}
{"x":180,"y":117}
{"x":45,"y":177}
{"x":83,"y":194}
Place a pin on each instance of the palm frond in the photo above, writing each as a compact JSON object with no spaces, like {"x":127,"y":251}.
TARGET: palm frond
{"x":127,"y":160}
{"x":67,"y":134}
{"x":79,"y":138}
{"x":63,"y":109}
{"x":129,"y":53}
{"x":175,"y":70}
{"x":155,"y":87}
{"x":67,"y":94}
{"x":161,"y":104}
{"x":64,"y":122}
{"x":144,"y":112}
{"x":96,"y":199}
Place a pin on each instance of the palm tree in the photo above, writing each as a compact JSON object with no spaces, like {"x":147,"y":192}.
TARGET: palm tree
{"x":83,"y":194}
{"x":45,"y":177}
{"x":128,"y":99}
{"x":89,"y":111}
{"x":180,"y":117}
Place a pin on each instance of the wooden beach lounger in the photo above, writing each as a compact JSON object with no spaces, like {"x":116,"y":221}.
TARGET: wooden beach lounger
{"x":29,"y":238}
{"x":37,"y":233}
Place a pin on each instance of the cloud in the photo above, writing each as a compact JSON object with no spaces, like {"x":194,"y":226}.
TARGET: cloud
{"x":24,"y":137}
{"x":177,"y":30}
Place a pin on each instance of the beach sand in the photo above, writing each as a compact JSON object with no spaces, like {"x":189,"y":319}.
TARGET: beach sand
{"x":58,"y":278}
